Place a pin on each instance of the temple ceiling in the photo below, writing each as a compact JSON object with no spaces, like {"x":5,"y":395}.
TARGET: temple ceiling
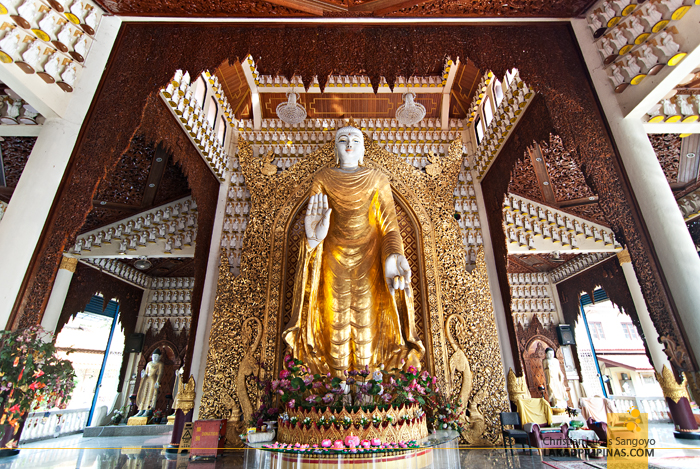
{"x":349,"y":8}
{"x":342,"y":98}
{"x":540,"y":262}
{"x":167,"y":266}
{"x":145,"y":177}
{"x":551,"y":176}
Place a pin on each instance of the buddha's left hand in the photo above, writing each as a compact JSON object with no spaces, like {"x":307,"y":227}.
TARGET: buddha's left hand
{"x":397,"y":272}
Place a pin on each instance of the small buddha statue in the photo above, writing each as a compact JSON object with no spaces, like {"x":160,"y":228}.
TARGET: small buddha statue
{"x":150,"y":382}
{"x":555,"y":380}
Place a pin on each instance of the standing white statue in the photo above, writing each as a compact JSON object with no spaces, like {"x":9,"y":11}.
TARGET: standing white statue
{"x":150,"y":382}
{"x":556,"y":391}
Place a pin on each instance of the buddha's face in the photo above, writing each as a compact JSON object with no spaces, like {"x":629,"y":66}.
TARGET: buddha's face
{"x":349,"y":148}
{"x":549,"y":354}
{"x":155,"y":357}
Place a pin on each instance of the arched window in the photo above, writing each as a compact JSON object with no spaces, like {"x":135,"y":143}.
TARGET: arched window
{"x":479,"y":130}
{"x":200,"y":91}
{"x":213,"y":111}
{"x":221,"y":134}
{"x":498,"y":92}
{"x":488,"y":112}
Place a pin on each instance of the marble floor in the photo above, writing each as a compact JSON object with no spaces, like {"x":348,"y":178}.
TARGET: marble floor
{"x":146,"y":453}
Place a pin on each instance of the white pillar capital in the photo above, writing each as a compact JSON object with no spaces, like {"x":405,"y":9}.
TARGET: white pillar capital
{"x":624,"y":257}
{"x":69,"y":263}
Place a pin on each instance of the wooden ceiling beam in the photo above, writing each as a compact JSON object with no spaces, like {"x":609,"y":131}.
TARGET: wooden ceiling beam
{"x":158,"y":164}
{"x":578,"y":202}
{"x":544,"y":182}
{"x":313,"y":7}
{"x":383,"y":7}
{"x":115,"y":206}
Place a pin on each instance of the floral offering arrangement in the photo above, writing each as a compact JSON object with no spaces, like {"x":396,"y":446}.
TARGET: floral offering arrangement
{"x":445,"y":413}
{"x":372,"y":405}
{"x":32,"y":377}
{"x":299,"y":389}
{"x":351,"y":445}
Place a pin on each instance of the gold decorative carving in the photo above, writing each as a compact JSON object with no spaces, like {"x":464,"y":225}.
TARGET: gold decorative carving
{"x":257,"y":291}
{"x":248,"y":366}
{"x":623,"y":256}
{"x":670,"y":387}
{"x":476,"y":425}
{"x":267,"y":168}
{"x":434,"y":168}
{"x":184,"y":400}
{"x":459,"y":362}
{"x":403,"y":426}
{"x":517,"y":387}
{"x":69,"y":264}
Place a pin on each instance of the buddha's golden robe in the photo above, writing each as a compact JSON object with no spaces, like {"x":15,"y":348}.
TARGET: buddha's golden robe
{"x":343,"y":316}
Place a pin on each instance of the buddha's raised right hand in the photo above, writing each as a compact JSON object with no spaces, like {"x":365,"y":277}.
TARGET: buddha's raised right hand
{"x":317,"y":220}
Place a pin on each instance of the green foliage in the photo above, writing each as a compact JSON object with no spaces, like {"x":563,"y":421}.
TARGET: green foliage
{"x":31,"y":375}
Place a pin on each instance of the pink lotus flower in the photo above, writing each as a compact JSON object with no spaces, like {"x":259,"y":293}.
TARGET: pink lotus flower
{"x":326,"y":443}
{"x":284,"y":374}
{"x":412,"y":370}
{"x":290,"y":404}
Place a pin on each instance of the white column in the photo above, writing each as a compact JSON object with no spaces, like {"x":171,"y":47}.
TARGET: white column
{"x":500,"y":311}
{"x":675,"y":249}
{"x":31,"y":200}
{"x":650,"y":335}
{"x":59,"y":293}
{"x":201,"y":342}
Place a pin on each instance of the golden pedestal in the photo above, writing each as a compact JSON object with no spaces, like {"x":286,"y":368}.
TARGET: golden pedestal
{"x":137,"y":421}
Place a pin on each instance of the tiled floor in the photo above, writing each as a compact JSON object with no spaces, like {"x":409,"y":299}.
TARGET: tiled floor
{"x":146,"y":453}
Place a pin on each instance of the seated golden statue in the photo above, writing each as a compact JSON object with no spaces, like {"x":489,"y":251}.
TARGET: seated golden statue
{"x":353,"y":303}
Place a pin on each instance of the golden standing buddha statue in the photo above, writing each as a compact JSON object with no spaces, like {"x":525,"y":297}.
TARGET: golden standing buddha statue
{"x":353,"y":303}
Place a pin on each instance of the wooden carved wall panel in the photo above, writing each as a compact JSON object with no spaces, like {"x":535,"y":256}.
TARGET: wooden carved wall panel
{"x":357,"y":105}
{"x":668,"y":152}
{"x":519,"y":8}
{"x":127,"y":181}
{"x":101,"y":217}
{"x":15,"y":153}
{"x":226,"y":8}
{"x":568,"y":182}
{"x":534,"y":374}
{"x":232,"y":8}
{"x":173,"y":185}
{"x":523,"y":181}
{"x":590,"y":212}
